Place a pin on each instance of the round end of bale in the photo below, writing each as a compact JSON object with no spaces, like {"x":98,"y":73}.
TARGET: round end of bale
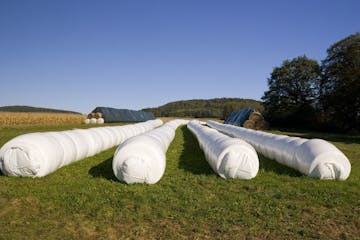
{"x":261,"y":125}
{"x":133,"y":170}
{"x":249,"y":124}
{"x":18,"y":162}
{"x":327,"y":171}
{"x":87,"y":121}
{"x":100,"y":121}
{"x":256,"y":116}
{"x":239,"y":163}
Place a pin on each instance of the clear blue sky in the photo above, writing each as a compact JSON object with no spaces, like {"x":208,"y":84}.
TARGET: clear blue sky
{"x":77,"y":55}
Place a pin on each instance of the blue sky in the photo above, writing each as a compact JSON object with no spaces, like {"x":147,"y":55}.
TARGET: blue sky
{"x":77,"y":55}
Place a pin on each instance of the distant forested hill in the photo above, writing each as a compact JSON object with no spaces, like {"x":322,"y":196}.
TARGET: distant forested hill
{"x":33,"y":109}
{"x":204,"y":108}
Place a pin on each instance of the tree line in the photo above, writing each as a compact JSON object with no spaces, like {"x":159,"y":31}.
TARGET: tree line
{"x":326,"y":95}
{"x":204,"y":108}
{"x":34,"y":109}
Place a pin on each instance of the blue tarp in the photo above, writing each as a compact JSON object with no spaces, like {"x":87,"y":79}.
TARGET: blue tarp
{"x":239,"y":117}
{"x":111,"y":115}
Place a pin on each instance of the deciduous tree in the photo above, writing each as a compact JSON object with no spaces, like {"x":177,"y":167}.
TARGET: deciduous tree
{"x":293,"y":90}
{"x":340,"y":85}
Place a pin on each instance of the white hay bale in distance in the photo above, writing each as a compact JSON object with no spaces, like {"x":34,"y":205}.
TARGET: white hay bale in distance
{"x":228,"y":157}
{"x":93,"y":120}
{"x":142,"y":159}
{"x":100,"y":121}
{"x":313,"y":157}
{"x":87,"y":121}
{"x":38,"y":154}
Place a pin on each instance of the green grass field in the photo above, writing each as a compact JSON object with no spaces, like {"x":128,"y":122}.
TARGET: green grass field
{"x":85,"y":201}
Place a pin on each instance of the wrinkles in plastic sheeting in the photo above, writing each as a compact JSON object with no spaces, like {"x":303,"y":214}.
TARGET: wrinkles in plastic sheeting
{"x":123,"y":115}
{"x":228,"y":157}
{"x":39,"y":154}
{"x":142,"y":159}
{"x":313,"y":157}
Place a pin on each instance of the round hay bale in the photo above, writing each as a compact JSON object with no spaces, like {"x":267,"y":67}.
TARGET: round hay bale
{"x":89,"y":116}
{"x":256,"y":116}
{"x":100,"y":121}
{"x":98,"y":115}
{"x":261,"y":125}
{"x":87,"y":121}
{"x":249,"y":124}
{"x":93,"y":120}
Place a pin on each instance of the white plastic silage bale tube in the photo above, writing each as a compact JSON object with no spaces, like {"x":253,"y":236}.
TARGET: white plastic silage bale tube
{"x":120,"y":134}
{"x":313,"y":157}
{"x":66,"y":142}
{"x":142,"y":159}
{"x":88,"y":140}
{"x":17,"y":159}
{"x":38,"y":154}
{"x":107,"y":137}
{"x":80,"y":142}
{"x":87,"y":121}
{"x":228,"y":157}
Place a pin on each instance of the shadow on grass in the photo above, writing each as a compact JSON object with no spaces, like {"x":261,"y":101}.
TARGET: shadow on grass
{"x":272,"y":166}
{"x":103,"y":170}
{"x":192,"y":158}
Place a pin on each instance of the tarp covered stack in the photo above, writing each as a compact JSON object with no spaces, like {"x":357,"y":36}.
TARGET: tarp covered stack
{"x":111,"y":115}
{"x":248,"y":118}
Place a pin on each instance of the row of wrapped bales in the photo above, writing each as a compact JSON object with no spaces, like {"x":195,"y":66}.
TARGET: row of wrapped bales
{"x":228,"y":157}
{"x":41,"y":153}
{"x":313,"y":157}
{"x":113,"y":115}
{"x":142,"y":159}
{"x":94,"y":121}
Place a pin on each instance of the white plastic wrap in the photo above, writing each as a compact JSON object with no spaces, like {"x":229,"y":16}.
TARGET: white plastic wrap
{"x":100,"y":121}
{"x":228,"y":157}
{"x":38,"y":154}
{"x":313,"y":157}
{"x":142,"y":159}
{"x":93,"y":120}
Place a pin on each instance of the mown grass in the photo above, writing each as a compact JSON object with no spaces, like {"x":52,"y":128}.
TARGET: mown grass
{"x":85,"y":201}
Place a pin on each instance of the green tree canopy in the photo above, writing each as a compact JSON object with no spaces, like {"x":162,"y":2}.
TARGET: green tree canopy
{"x":340,"y":85}
{"x":204,"y":108}
{"x":293,"y":90}
{"x":228,"y":108}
